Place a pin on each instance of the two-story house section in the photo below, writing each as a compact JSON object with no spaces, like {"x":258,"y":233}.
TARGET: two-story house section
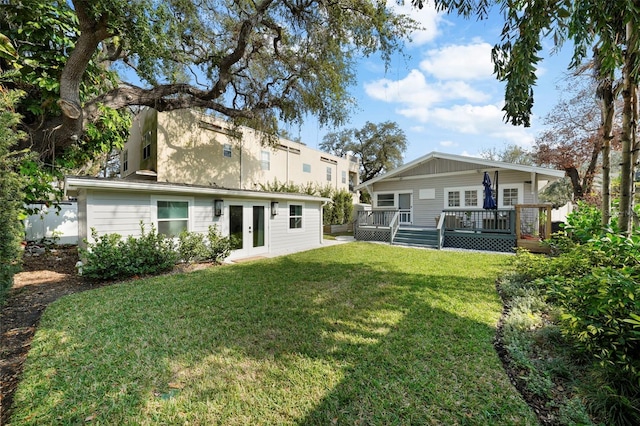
{"x":189,"y":147}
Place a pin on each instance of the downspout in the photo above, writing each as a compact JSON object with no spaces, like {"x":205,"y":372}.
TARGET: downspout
{"x":324,"y":203}
{"x":240,"y":156}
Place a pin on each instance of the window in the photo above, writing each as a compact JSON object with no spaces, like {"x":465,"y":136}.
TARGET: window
{"x":510,"y":196}
{"x":306,"y":168}
{"x":265,"y":161}
{"x":329,"y":174}
{"x":386,"y":200}
{"x":453,"y":199}
{"x":295,"y":216}
{"x":344,"y":176}
{"x":471,"y":198}
{"x":173,"y":217}
{"x":226,"y":150}
{"x":125,"y":160}
{"x":146,"y":145}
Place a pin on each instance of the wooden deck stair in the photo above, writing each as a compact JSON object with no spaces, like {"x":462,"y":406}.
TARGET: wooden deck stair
{"x":419,"y":237}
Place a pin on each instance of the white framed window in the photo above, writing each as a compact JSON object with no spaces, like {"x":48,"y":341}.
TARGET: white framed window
{"x":146,"y":145}
{"x":295,"y":216}
{"x":265,"y":160}
{"x":510,"y":197}
{"x":329,"y":172}
{"x":171,"y":215}
{"x":306,"y":168}
{"x":463,"y":197}
{"x":453,"y":199}
{"x":385,"y":200}
{"x":125,"y":160}
{"x":226,"y":150}
{"x":471,"y":198}
{"x":344,"y":176}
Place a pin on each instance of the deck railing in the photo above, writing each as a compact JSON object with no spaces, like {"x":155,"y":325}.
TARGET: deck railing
{"x":494,"y":221}
{"x":376,"y":218}
{"x":394,"y":225}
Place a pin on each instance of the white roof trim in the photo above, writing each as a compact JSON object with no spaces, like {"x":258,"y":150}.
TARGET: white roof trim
{"x":479,"y":161}
{"x":72,"y":184}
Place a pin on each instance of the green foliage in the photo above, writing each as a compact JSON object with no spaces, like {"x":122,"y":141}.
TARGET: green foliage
{"x":111,"y":257}
{"x":191,"y":247}
{"x":593,"y":282}
{"x":11,"y":191}
{"x":219,"y":247}
{"x":598,"y":312}
{"x":584,"y":223}
{"x":195,"y":247}
{"x":380,"y":147}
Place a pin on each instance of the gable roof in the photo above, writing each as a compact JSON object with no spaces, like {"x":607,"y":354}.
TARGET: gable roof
{"x":481,"y":164}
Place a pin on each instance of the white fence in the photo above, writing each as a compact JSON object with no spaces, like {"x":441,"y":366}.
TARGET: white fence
{"x":49,"y":223}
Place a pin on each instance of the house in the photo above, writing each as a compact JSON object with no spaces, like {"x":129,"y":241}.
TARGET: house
{"x":259,"y":223}
{"x":437,"y":201}
{"x":189,"y":147}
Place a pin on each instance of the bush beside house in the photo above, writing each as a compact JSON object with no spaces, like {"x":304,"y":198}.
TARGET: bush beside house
{"x":111,"y":257}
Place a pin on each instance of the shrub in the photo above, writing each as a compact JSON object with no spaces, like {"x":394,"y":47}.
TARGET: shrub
{"x":11,"y":192}
{"x":597,"y":314}
{"x":111,"y":257}
{"x":584,"y":223}
{"x":219,"y":246}
{"x":192,"y":247}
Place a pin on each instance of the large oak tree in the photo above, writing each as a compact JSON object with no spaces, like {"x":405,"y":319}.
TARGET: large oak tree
{"x":257,"y":62}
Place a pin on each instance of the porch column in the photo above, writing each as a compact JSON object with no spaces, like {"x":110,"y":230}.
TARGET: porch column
{"x":534,"y":187}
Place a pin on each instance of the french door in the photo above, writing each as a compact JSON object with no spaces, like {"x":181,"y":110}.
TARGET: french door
{"x":248,"y":229}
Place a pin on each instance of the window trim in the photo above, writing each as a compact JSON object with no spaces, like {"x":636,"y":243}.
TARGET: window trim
{"x":190,"y":209}
{"x":344,"y":176}
{"x":395,"y":199}
{"x":265,"y":164}
{"x":517,"y":186}
{"x":461,"y":190}
{"x":146,"y":143}
{"x":226,"y":148}
{"x":289,"y":217}
{"x":329,"y":174}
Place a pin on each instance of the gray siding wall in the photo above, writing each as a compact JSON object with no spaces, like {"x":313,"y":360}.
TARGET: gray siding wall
{"x":426,"y":210}
{"x":121,"y":212}
{"x":285,"y":240}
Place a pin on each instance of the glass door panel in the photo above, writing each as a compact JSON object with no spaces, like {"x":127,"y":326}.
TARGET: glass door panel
{"x":236,"y":227}
{"x":258,"y":226}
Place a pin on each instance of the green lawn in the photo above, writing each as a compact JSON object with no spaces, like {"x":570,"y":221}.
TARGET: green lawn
{"x":351,"y":334}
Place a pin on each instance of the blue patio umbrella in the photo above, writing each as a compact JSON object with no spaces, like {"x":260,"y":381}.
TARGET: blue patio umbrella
{"x":489,"y":202}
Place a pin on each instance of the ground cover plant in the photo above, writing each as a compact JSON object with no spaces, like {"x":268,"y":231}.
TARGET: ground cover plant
{"x":350,"y":334}
{"x":574,"y":321}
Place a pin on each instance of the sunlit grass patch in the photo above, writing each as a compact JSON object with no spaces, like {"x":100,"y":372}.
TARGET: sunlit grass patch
{"x":352,"y":333}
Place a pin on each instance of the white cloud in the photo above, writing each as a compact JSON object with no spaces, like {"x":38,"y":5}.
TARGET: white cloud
{"x":427,"y":18}
{"x":448,"y":143}
{"x":460,"y":62}
{"x":415,"y":91}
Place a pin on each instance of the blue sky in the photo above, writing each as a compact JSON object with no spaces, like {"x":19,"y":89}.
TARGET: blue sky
{"x":443,"y":93}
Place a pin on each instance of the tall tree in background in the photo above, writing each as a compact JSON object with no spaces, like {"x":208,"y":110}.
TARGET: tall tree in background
{"x":380,"y":147}
{"x":611,"y":26}
{"x":511,"y":153}
{"x":573,"y":140}
{"x":257,"y":63}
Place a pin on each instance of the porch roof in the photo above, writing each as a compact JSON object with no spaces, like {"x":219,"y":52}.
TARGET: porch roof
{"x":482,"y":164}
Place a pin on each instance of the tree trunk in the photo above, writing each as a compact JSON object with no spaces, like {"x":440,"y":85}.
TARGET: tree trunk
{"x":608,"y":113}
{"x":629,"y":112}
{"x":574,"y":176}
